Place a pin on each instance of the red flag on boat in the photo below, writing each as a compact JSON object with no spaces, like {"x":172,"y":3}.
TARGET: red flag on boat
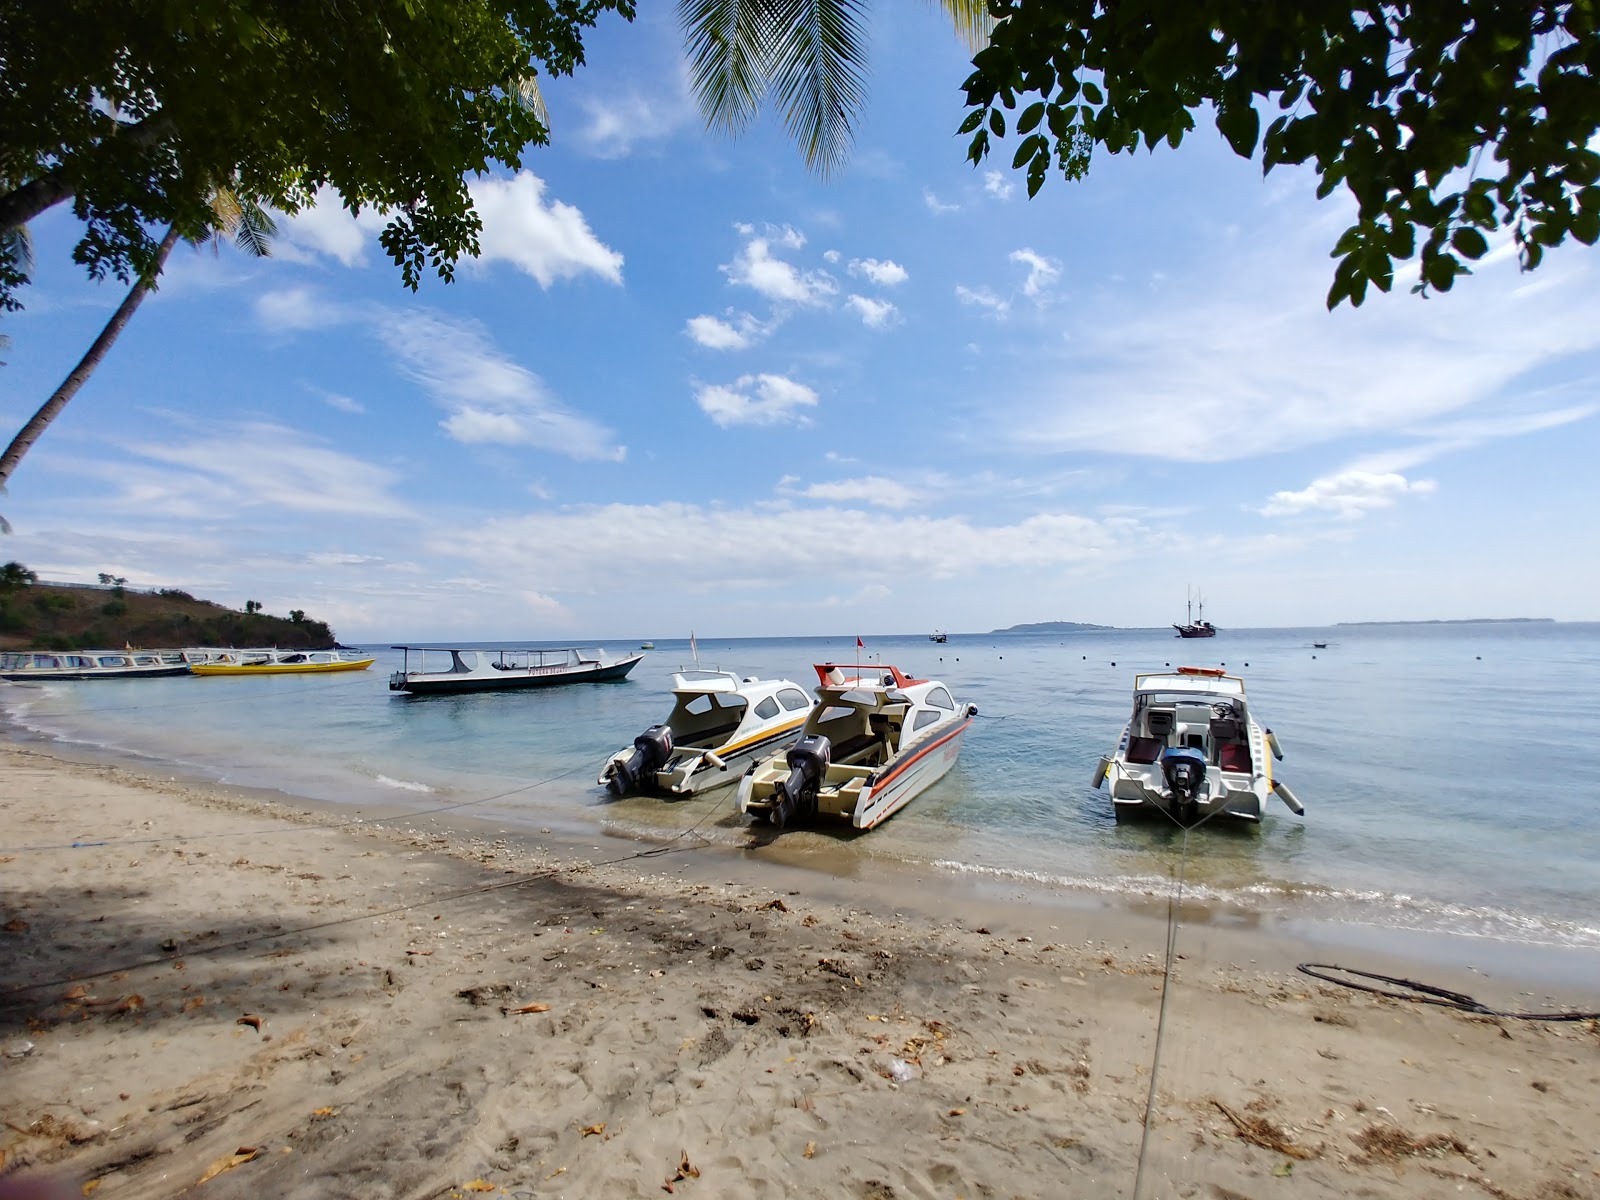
{"x":860,"y":645}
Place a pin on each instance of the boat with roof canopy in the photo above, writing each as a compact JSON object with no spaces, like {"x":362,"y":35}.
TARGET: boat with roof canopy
{"x":876,"y":740}
{"x":1193,"y":750}
{"x":444,"y":669}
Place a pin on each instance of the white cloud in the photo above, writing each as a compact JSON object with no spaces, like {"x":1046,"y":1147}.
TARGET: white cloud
{"x":884,"y":273}
{"x":1348,"y":494}
{"x":616,"y":124}
{"x":489,"y":397}
{"x":327,"y":228}
{"x":757,"y":400}
{"x":296,"y":309}
{"x":936,"y":206}
{"x":870,"y":489}
{"x":1238,"y":356}
{"x":874,"y":313}
{"x":1042,"y":271}
{"x":343,"y":403}
{"x":780,"y":281}
{"x":717,"y":334}
{"x":982,"y":297}
{"x":547,"y":242}
{"x":997,"y":185}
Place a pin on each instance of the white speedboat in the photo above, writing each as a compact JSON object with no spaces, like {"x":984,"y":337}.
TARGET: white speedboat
{"x":719,"y":725}
{"x":1193,"y":750}
{"x":876,"y":740}
{"x":463,"y":669}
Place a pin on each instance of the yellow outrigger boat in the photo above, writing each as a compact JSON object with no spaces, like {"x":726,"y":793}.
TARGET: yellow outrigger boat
{"x":281,"y":662}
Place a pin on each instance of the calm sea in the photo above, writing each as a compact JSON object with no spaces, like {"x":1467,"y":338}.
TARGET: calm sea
{"x":1446,"y":770}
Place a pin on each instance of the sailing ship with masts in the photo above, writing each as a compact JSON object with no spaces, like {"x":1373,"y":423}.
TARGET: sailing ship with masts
{"x":1192,"y":628}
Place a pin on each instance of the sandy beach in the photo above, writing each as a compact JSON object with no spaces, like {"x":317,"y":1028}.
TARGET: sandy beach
{"x":208,"y":992}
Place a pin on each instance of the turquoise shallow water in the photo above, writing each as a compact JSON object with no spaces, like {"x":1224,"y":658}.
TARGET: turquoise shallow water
{"x":1447,"y":771}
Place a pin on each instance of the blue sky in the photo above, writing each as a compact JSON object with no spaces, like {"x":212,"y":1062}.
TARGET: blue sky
{"x":691,"y":386}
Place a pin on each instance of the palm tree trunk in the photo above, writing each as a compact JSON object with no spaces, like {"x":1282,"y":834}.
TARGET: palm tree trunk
{"x":52,"y":407}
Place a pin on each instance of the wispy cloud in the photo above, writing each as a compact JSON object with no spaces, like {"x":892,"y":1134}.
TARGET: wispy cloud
{"x":875,"y":314}
{"x":614,"y":125}
{"x":937,"y":206}
{"x":757,"y":400}
{"x":716,"y":334}
{"x":1042,"y":272}
{"x":870,"y":489}
{"x":982,"y":297}
{"x":997,"y":185}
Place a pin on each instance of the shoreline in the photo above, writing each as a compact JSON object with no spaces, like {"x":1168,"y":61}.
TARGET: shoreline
{"x":1460,"y":961}
{"x":230,"y":985}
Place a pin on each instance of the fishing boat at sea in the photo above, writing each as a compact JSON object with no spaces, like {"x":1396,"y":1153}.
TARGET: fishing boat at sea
{"x":1196,"y":629}
{"x":719,"y":725}
{"x":282,"y":662}
{"x":876,"y":740}
{"x":470,"y":669}
{"x":40,"y":666}
{"x":1193,"y":750}
{"x":939,"y":635}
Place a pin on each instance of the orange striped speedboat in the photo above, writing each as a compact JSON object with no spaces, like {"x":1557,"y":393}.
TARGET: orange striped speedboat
{"x":876,"y":740}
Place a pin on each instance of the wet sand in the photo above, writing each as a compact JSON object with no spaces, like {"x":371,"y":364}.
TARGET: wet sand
{"x":229,"y":988}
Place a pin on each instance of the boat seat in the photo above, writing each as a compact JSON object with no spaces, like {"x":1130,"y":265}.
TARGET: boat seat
{"x":856,"y":747}
{"x":1159,"y":722}
{"x":1144,"y":750}
{"x":1224,"y":729}
{"x":1235,"y":756}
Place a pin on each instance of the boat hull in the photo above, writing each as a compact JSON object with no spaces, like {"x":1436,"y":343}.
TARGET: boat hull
{"x":46,"y":674}
{"x":908,"y":775}
{"x":360,"y":664}
{"x":444,"y":684}
{"x":689,"y":773}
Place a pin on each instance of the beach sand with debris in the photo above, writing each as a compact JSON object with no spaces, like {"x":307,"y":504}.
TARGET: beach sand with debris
{"x":218,"y":994}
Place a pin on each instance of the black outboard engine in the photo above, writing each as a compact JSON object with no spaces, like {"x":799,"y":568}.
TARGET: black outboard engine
{"x":796,"y":797}
{"x":1185,"y":773}
{"x":651,"y":750}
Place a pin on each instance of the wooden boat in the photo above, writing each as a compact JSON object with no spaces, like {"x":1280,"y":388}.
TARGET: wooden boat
{"x":1196,"y":629}
{"x":468,"y":669}
{"x":1193,"y":750}
{"x":876,"y":740}
{"x":281,"y":662}
{"x":719,"y":725}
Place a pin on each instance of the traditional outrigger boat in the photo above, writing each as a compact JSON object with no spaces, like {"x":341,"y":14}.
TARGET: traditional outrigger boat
{"x":875,"y":741}
{"x":1193,"y":750}
{"x":719,"y":725}
{"x":474,"y":670}
{"x":281,"y":662}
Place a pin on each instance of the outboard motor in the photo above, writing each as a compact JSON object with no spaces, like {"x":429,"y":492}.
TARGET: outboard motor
{"x":1185,"y":772}
{"x":651,"y":750}
{"x":808,"y":761}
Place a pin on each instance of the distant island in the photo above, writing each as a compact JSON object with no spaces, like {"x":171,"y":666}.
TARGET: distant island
{"x":1463,"y":621}
{"x":56,"y":616}
{"x":1051,"y":627}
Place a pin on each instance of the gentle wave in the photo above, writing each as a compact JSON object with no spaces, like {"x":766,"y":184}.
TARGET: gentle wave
{"x":1390,"y":910}
{"x":405,"y":785}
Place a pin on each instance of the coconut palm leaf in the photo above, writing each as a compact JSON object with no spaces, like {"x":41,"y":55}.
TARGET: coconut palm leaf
{"x":532,"y":99}
{"x":254,"y":229}
{"x":730,"y":45}
{"x":820,"y":77}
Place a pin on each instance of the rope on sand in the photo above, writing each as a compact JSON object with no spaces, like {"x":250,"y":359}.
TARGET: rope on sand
{"x":1427,"y":993}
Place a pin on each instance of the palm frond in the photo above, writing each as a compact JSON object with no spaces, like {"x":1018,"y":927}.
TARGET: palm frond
{"x":16,"y":245}
{"x":731,"y":46}
{"x":255,"y":230}
{"x":972,"y":21}
{"x":532,"y":99}
{"x":820,"y":77}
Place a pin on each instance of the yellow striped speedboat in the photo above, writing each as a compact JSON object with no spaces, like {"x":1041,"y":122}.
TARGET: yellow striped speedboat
{"x":718,"y":726}
{"x":281,"y":662}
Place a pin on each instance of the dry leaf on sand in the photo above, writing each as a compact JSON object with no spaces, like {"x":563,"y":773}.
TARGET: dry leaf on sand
{"x":323,"y":1113}
{"x":227,"y":1163}
{"x":532,"y":1008}
{"x":478,"y":1185}
{"x":594,"y":1130}
{"x":251,"y":1020}
{"x":810,"y":1151}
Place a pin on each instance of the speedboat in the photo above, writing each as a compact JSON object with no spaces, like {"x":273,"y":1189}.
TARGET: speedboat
{"x":281,"y":662}
{"x":719,"y":725}
{"x":876,"y":740}
{"x":466,"y":669}
{"x":1193,"y":750}
{"x":39,"y":666}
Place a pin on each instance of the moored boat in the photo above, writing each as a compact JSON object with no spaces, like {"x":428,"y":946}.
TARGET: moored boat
{"x":719,"y":725}
{"x":1193,"y":750}
{"x":281,"y":662}
{"x":468,"y":669}
{"x":44,"y":665}
{"x":1196,"y":629}
{"x":876,"y":740}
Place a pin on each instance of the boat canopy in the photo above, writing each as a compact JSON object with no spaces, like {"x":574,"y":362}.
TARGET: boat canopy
{"x":1190,"y":682}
